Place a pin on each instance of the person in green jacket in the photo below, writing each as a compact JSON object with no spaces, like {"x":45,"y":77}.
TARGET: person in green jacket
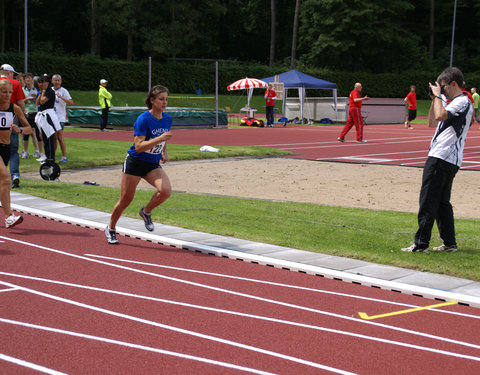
{"x":476,"y":100}
{"x":104,"y":98}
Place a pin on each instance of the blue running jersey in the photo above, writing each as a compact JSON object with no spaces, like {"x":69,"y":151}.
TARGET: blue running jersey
{"x":150,"y":127}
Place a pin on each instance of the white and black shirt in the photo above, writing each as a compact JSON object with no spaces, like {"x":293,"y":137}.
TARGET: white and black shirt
{"x":449,"y":139}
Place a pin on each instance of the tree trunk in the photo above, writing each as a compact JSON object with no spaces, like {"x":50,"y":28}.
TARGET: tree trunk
{"x":173,"y":47}
{"x":129,"y":45}
{"x":295,"y":34}
{"x":2,"y":25}
{"x":93,"y":40}
{"x":272,"y":31}
{"x":432,"y":29}
{"x":95,"y":29}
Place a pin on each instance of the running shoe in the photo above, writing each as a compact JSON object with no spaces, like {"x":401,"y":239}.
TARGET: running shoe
{"x":415,"y":249}
{"x":42,"y":158}
{"x":24,"y":155}
{"x":147,"y":219}
{"x":362,"y":141}
{"x":340,"y":139}
{"x":111,"y":236}
{"x":15,"y":181}
{"x":448,"y":249}
{"x":13,"y":220}
{"x":63,"y":159}
{"x":37,"y":154}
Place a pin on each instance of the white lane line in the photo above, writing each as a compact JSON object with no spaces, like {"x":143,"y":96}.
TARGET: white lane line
{"x":362,"y":158}
{"x":358,"y":320}
{"x":252,"y":316}
{"x":184,"y":331}
{"x":8,"y":290}
{"x":130,"y":345}
{"x":335,"y":143}
{"x":355,"y":296}
{"x":30,"y":365}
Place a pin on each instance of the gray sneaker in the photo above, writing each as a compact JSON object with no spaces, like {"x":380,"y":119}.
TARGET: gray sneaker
{"x":448,"y":249}
{"x":415,"y":249}
{"x":111,"y":236}
{"x":147,"y":219}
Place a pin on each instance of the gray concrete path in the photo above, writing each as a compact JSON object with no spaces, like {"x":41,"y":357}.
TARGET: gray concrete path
{"x":428,"y":285}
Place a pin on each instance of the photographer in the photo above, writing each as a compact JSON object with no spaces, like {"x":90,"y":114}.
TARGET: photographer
{"x":445,"y":157}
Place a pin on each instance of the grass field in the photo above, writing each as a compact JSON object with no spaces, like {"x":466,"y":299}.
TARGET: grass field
{"x":370,"y":235}
{"x":234,"y":102}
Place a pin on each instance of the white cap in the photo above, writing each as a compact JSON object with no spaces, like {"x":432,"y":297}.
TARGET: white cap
{"x":8,"y":67}
{"x":102,"y":81}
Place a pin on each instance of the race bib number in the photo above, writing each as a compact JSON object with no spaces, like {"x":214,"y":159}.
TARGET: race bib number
{"x":6,"y":120}
{"x":157,"y":149}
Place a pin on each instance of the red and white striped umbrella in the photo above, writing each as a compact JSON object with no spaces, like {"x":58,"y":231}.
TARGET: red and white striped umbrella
{"x":246,"y":83}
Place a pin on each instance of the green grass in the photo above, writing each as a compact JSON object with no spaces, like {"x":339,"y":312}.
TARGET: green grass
{"x":369,"y":235}
{"x":89,"y":153}
{"x":234,"y":101}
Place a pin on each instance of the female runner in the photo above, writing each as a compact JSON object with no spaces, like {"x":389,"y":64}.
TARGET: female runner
{"x":8,"y":111}
{"x":151,"y":133}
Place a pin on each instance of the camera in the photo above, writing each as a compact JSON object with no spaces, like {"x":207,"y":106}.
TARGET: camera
{"x":442,"y":90}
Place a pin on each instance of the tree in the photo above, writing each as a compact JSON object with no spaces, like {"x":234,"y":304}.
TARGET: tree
{"x":295,"y":34}
{"x":354,"y":35}
{"x":272,"y":31}
{"x":95,"y":29}
{"x":431,"y":41}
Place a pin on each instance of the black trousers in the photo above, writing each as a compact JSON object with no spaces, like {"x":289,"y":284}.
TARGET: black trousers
{"x":270,"y":114}
{"x":104,"y":118}
{"x":49,"y":146}
{"x":435,"y":204}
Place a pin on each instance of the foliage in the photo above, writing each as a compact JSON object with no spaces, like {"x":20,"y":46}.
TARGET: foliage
{"x":89,"y":153}
{"x":347,"y":34}
{"x":374,"y":236}
{"x":84,"y":72}
{"x":350,"y":35}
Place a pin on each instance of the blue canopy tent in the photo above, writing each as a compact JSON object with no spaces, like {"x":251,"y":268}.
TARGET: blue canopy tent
{"x":294,"y":79}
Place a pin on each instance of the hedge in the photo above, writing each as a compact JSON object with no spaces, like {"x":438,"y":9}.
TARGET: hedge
{"x":84,"y":73}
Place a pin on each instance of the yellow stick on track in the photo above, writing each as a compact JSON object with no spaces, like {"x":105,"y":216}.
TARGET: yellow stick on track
{"x":366,"y":317}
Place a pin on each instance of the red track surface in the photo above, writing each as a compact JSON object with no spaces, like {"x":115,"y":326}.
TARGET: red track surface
{"x":72,"y":303}
{"x":387,"y":144}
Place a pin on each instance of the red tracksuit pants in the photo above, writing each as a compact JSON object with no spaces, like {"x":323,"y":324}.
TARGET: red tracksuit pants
{"x":354,"y":118}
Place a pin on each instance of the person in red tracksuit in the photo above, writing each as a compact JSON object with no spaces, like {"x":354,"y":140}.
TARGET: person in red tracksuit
{"x":354,"y":114}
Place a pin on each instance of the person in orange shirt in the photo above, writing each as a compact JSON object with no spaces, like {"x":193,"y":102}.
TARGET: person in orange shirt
{"x":354,"y":114}
{"x":411,"y":100}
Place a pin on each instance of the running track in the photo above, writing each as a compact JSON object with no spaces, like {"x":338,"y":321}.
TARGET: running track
{"x":387,"y":144}
{"x":74,"y":304}
{"x":70,"y":303}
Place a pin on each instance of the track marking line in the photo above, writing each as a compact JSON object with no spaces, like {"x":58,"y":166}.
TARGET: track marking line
{"x":304,"y":308}
{"x":362,"y":158}
{"x":8,"y":289}
{"x":198,"y":335}
{"x":122,"y":343}
{"x":274,"y":320}
{"x":271,"y":283}
{"x":366,"y":317}
{"x":30,"y":365}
